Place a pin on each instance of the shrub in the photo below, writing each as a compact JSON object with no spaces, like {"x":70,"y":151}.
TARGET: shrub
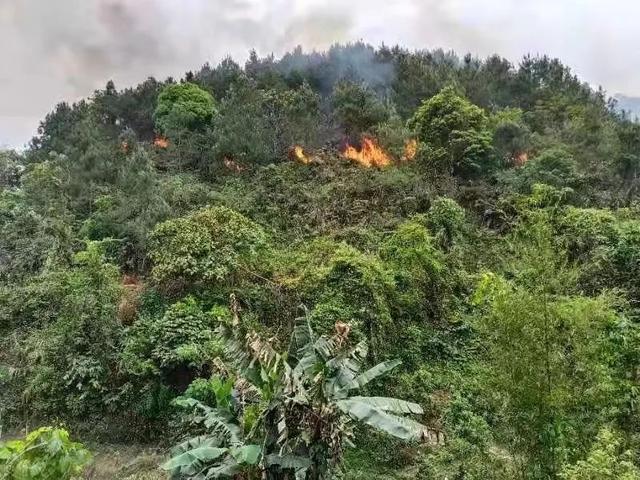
{"x":455,"y":131}
{"x":45,"y":454}
{"x":183,"y":106}
{"x":212,"y":245}
{"x":182,"y":337}
{"x":446,"y":220}
{"x":606,"y":461}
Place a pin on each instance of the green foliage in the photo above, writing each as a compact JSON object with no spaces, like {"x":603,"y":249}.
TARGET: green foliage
{"x":530,"y":175}
{"x":555,"y":167}
{"x":455,"y":132}
{"x":210,"y":245}
{"x":70,"y":358}
{"x":183,"y":106}
{"x":221,"y":452}
{"x":446,"y":219}
{"x":605,"y":460}
{"x":45,"y":454}
{"x":357,"y":108}
{"x":306,"y":408}
{"x":11,"y":168}
{"x":511,"y":135}
{"x":182,"y":336}
{"x":550,"y":359}
{"x":360,"y":285}
{"x":212,"y":392}
{"x":277,"y":120}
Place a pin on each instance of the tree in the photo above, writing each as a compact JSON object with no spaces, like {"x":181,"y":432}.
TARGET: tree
{"x":277,"y":118}
{"x":357,"y":108}
{"x":211,"y":245}
{"x":11,"y":168}
{"x":550,"y":361}
{"x":511,"y":136}
{"x":72,"y":357}
{"x":455,"y":131}
{"x":181,"y":107}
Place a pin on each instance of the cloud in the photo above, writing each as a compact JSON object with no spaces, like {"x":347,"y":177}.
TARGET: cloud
{"x":64,"y":49}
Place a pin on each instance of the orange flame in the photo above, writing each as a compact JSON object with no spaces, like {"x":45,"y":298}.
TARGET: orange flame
{"x":232,"y":165}
{"x":410,"y":150}
{"x":296,"y":153}
{"x":369,"y":155}
{"x":520,"y":158}
{"x":161,"y":142}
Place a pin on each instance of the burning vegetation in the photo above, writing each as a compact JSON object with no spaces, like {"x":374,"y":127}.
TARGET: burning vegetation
{"x":370,"y":154}
{"x":161,"y":142}
{"x":519,"y":159}
{"x":296,"y":153}
{"x":410,"y":150}
{"x":232,"y":165}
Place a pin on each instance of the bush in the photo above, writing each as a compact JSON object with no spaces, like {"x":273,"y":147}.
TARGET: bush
{"x":181,"y":107}
{"x":606,"y":461}
{"x":555,"y":167}
{"x":446,"y":220}
{"x":212,"y":245}
{"x":183,"y":337}
{"x":70,"y":359}
{"x":45,"y":454}
{"x":455,"y":131}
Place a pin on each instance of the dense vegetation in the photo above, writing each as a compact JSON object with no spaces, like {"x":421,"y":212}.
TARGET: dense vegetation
{"x":229,"y":263}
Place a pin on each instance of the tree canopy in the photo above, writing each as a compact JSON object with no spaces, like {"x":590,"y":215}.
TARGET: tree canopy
{"x":363,"y":263}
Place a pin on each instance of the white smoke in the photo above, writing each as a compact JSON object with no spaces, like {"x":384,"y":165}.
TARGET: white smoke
{"x":55,"y":50}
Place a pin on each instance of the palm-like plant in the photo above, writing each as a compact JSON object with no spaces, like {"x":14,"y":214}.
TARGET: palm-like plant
{"x":308,"y":403}
{"x":220,"y":453}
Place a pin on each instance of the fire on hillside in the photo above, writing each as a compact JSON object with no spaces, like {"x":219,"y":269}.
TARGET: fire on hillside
{"x":161,"y":142}
{"x":370,"y":154}
{"x":297,"y":154}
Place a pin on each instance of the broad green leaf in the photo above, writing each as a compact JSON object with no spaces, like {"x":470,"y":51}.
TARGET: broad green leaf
{"x":294,"y":462}
{"x":388,"y":404}
{"x":302,"y":338}
{"x":373,"y":373}
{"x":379,"y":419}
{"x":247,"y":454}
{"x":197,"y":455}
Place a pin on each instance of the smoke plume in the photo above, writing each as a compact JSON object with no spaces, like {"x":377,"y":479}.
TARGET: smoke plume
{"x":64,"y":49}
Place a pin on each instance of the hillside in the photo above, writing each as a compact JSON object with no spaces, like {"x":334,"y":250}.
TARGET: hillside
{"x":386,"y":263}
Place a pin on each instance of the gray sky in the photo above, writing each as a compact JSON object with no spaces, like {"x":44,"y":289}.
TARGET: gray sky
{"x":53,"y":50}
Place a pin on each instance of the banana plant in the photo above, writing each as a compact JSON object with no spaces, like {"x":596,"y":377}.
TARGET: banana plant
{"x":220,"y":453}
{"x":309,"y":404}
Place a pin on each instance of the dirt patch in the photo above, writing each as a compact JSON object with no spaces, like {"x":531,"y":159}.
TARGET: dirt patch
{"x":125,"y":462}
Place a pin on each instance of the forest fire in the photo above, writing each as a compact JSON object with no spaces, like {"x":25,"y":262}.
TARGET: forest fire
{"x":370,"y":153}
{"x":410,"y":150}
{"x":296,"y":153}
{"x":520,"y":158}
{"x":161,"y":142}
{"x":232,"y":165}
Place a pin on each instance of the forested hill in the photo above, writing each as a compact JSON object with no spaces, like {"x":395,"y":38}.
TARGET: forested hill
{"x":235,"y":260}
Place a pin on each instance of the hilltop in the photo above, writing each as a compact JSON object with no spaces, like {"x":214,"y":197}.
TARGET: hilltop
{"x":227,"y":258}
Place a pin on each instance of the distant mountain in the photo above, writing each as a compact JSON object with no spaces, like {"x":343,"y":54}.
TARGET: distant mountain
{"x":629,"y":104}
